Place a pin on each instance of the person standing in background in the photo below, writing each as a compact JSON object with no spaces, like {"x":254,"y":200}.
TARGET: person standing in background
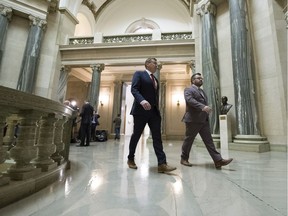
{"x":117,"y":126}
{"x":86,"y":120}
{"x":94,"y":124}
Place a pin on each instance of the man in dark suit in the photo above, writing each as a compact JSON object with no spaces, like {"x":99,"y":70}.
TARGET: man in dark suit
{"x":145,"y":110}
{"x":86,"y":121}
{"x":196,"y":119}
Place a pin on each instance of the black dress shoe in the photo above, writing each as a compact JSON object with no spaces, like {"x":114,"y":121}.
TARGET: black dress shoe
{"x":222,"y":162}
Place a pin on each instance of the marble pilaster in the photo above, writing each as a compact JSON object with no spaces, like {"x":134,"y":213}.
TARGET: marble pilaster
{"x":45,"y":145}
{"x":5,"y":17}
{"x":31,"y":56}
{"x":95,"y":84}
{"x":62,"y":85}
{"x":25,"y":150}
{"x":210,"y":63}
{"x":118,"y":86}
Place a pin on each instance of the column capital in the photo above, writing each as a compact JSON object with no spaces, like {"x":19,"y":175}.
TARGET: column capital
{"x":36,"y":21}
{"x":192,"y":66}
{"x":6,"y":11}
{"x":97,"y":67}
{"x":206,"y":6}
{"x":65,"y":68}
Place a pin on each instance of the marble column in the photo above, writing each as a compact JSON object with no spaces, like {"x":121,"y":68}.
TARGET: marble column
{"x":243,"y":69}
{"x":162,"y":97}
{"x":210,"y":62}
{"x":25,"y":150}
{"x":248,"y":136}
{"x":117,"y":102}
{"x":62,"y":85}
{"x":5,"y":17}
{"x":95,"y":84}
{"x":31,"y":56}
{"x":162,"y":106}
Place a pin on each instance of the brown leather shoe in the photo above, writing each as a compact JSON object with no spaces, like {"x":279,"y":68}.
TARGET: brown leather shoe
{"x":185,"y":162}
{"x":165,"y":168}
{"x":223,"y":162}
{"x":131,"y":164}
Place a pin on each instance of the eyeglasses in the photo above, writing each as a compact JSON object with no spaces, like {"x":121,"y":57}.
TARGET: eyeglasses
{"x":199,"y":78}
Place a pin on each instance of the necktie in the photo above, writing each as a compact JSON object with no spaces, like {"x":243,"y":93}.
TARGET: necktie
{"x":201,"y":92}
{"x":153,"y":80}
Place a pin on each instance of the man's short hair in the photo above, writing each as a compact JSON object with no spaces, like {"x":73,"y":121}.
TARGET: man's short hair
{"x":148,"y":60}
{"x":193,"y":76}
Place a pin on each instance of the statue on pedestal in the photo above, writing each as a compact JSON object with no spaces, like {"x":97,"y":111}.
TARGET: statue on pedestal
{"x":225,"y":107}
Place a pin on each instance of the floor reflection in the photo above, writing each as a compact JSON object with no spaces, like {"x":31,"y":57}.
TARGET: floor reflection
{"x":99,"y":183}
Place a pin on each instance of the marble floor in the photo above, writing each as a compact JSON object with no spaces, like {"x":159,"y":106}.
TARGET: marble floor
{"x":99,"y":183}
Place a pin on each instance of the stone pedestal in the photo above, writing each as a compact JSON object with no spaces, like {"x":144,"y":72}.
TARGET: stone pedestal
{"x":252,"y":143}
{"x":225,"y":131}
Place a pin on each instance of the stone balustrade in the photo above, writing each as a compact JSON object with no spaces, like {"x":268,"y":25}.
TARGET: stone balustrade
{"x":39,"y":152}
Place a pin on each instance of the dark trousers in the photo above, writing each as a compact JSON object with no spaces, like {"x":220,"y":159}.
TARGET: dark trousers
{"x":93,"y":131}
{"x":85,"y":129}
{"x":154,"y":123}
{"x":192,"y":129}
{"x":117,"y":133}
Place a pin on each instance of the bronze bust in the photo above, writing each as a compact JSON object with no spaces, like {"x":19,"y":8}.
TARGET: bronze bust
{"x":225,"y":107}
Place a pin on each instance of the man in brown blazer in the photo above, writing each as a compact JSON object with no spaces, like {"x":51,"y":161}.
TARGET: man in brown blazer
{"x":196,"y":119}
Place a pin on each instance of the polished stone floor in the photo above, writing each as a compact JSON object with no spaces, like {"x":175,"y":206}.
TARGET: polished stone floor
{"x":100,"y":184}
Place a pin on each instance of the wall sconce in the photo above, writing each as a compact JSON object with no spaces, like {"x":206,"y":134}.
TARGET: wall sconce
{"x":178,"y":103}
{"x":101,"y":103}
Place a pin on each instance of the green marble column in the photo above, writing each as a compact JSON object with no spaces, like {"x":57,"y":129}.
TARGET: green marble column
{"x":28,"y":71}
{"x":243,"y":69}
{"x":210,"y":62}
{"x":5,"y":17}
{"x":95,"y":84}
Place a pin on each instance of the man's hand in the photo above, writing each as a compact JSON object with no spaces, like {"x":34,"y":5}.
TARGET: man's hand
{"x":207,"y":109}
{"x":146,"y":105}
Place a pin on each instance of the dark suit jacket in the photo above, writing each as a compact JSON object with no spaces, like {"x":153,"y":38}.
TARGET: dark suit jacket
{"x":195,"y":102}
{"x":86,"y":114}
{"x":142,"y":89}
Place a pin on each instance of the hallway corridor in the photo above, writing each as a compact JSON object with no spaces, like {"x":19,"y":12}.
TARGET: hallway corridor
{"x":99,"y":183}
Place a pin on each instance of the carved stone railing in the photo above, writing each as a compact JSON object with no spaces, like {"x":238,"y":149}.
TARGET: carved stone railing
{"x":35,"y":156}
{"x":132,"y":38}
